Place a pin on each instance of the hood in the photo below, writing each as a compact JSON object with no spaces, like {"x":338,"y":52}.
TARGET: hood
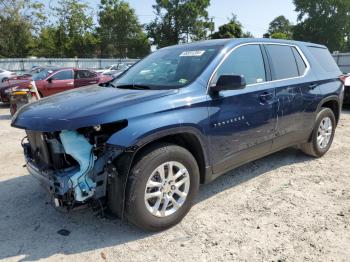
{"x":84,"y":107}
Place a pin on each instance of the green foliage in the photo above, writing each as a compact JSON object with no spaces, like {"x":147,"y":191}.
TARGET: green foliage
{"x":120,"y":32}
{"x":326,"y":22}
{"x":19,"y":21}
{"x":281,"y":28}
{"x":247,"y":35}
{"x":233,"y":29}
{"x":178,"y":21}
{"x":74,"y":30}
{"x":280,"y":35}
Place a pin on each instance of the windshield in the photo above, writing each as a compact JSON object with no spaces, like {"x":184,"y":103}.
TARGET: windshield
{"x":168,"y":68}
{"x":42,"y":75}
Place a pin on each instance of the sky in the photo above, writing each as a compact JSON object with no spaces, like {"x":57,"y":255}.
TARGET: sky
{"x":255,"y":15}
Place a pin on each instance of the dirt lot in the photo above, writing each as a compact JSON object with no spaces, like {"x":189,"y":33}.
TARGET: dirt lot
{"x":285,"y":207}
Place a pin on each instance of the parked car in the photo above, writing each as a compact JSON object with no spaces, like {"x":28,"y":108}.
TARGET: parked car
{"x":55,"y":80}
{"x":28,"y":75}
{"x":5,"y":75}
{"x":114,"y":68}
{"x":20,"y":97}
{"x":147,"y":141}
{"x":347,"y":91}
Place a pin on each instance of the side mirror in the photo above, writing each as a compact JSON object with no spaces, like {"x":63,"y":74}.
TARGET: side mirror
{"x":229,"y":82}
{"x":49,"y":80}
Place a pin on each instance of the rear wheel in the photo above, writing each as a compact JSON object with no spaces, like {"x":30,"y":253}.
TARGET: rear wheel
{"x":323,"y":134}
{"x":162,"y":186}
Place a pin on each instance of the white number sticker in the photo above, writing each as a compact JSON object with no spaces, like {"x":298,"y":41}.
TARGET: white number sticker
{"x":193,"y":53}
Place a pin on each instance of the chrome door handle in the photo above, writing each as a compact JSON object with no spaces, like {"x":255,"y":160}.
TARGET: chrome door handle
{"x":70,"y":84}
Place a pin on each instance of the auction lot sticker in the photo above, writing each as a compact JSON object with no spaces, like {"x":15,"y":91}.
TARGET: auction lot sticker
{"x":193,"y":53}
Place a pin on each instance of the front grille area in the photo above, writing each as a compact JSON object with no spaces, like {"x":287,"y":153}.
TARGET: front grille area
{"x":47,"y":152}
{"x":39,"y":151}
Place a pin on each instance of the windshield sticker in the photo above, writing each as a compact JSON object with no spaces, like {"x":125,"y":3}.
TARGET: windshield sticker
{"x":193,"y":53}
{"x":183,"y":81}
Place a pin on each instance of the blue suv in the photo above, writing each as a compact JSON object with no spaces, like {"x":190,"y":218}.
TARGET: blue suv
{"x":181,"y":117}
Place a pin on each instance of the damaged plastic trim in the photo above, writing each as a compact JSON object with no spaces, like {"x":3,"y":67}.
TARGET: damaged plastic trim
{"x":80,"y":149}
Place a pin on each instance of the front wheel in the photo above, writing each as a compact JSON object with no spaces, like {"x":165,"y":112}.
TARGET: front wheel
{"x":162,"y":186}
{"x":323,"y":134}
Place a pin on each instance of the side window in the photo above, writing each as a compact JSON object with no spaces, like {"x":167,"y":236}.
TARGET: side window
{"x":81,"y":74}
{"x":246,"y":61}
{"x":325,"y":59}
{"x":300,"y":62}
{"x":63,"y":75}
{"x":283,"y":62}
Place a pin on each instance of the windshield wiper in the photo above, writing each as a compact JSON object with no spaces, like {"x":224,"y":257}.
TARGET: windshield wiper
{"x":134,"y":86}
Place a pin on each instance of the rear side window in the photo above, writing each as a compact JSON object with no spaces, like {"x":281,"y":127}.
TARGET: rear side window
{"x":283,"y":62}
{"x":300,"y":62}
{"x":324,"y":58}
{"x":63,"y":75}
{"x":81,"y":74}
{"x":247,"y":61}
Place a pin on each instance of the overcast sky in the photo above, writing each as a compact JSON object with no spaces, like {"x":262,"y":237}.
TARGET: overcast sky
{"x":255,"y":15}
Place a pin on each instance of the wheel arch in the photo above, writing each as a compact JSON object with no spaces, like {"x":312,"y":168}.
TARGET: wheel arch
{"x":186,"y":139}
{"x":333,"y":103}
{"x":190,"y":138}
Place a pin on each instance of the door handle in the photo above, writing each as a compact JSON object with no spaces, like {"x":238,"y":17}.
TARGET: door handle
{"x":70,"y":84}
{"x":312,"y":86}
{"x":266,"y":96}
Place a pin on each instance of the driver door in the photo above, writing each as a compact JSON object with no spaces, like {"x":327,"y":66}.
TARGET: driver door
{"x":60,"y":81}
{"x":242,"y":122}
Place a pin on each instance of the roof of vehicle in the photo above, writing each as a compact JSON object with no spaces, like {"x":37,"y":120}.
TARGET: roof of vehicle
{"x":230,"y":42}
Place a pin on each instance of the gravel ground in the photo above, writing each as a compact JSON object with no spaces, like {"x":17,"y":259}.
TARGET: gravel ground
{"x":284,"y":207}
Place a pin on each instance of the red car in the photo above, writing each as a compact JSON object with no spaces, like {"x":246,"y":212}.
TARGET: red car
{"x":55,"y":80}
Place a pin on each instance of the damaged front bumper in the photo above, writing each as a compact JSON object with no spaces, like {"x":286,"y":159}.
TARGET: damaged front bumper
{"x":78,"y":183}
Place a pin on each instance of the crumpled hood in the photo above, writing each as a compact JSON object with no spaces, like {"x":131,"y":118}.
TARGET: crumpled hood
{"x":84,"y":107}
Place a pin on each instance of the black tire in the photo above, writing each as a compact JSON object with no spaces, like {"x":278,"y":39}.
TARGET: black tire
{"x":313,"y":148}
{"x":135,"y":209}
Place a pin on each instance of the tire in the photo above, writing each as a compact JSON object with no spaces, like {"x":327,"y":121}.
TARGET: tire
{"x":313,"y":148}
{"x":138,"y":210}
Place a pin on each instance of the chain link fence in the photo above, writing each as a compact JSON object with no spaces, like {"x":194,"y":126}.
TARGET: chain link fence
{"x":343,"y":61}
{"x":25,"y":64}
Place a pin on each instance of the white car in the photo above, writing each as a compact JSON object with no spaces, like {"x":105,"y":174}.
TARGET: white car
{"x":113,"y":68}
{"x":4,"y":75}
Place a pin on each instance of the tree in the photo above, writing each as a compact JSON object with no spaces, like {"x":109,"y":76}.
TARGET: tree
{"x":326,"y":22}
{"x":281,"y":27}
{"x":19,"y":21}
{"x":233,"y":29}
{"x":247,"y":35}
{"x":74,"y":30}
{"x":179,"y":21}
{"x":280,"y":35}
{"x":120,"y":32}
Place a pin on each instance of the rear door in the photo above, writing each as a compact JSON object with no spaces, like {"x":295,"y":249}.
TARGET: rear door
{"x":242,"y":122}
{"x":295,"y":90}
{"x":85,"y":78}
{"x":58,"y":82}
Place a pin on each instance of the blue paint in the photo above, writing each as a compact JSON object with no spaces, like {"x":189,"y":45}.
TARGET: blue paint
{"x":263,"y":127}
